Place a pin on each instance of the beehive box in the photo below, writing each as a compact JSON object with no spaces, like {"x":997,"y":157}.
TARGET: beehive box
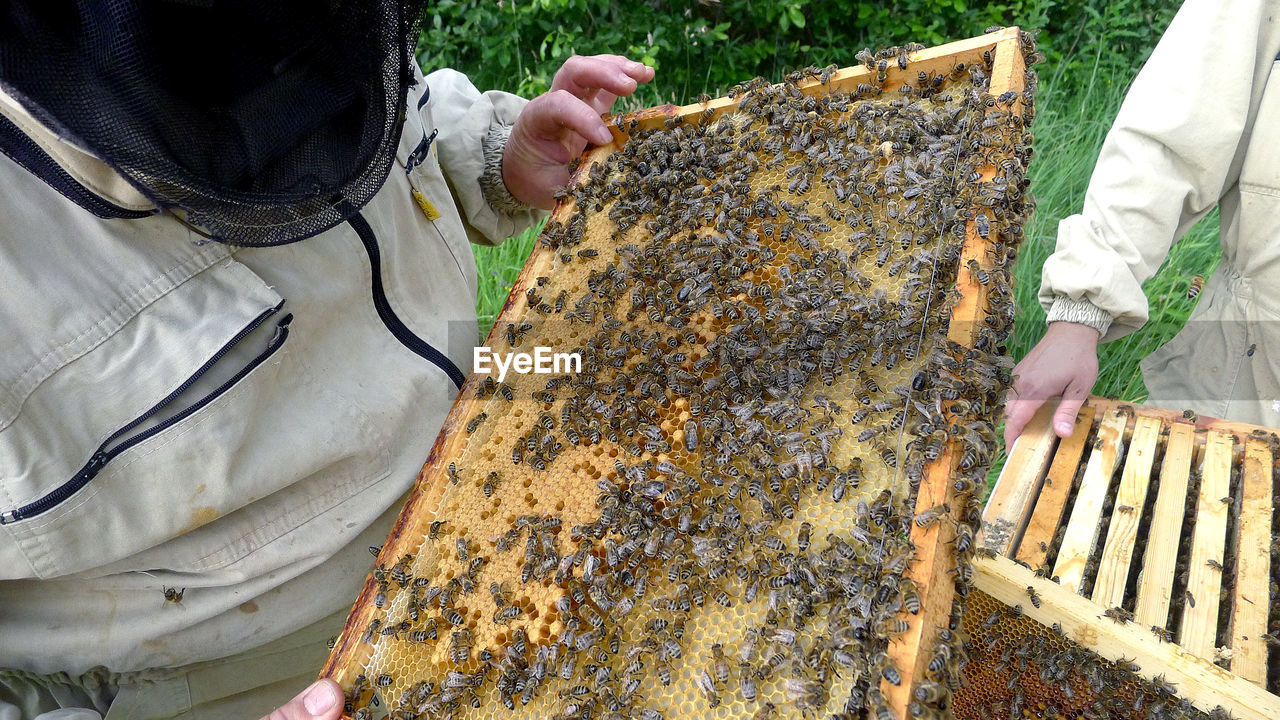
{"x":1146,"y":538}
{"x":755,"y":497}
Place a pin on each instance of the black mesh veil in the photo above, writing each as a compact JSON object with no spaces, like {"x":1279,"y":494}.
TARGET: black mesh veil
{"x":266,"y":121}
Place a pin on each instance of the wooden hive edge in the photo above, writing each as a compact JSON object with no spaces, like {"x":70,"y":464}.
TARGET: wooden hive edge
{"x":1102,"y":406}
{"x":1198,"y":630}
{"x":1201,"y":423}
{"x":1253,"y":531}
{"x":1167,"y":517}
{"x":1084,"y":523}
{"x":1017,"y":491}
{"x":938,"y":59}
{"x":1049,"y":510}
{"x":1116,"y":557}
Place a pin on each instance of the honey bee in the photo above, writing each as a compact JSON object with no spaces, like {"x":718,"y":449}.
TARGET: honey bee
{"x":978,"y":273}
{"x":400,"y":571}
{"x":802,"y":541}
{"x":911,"y":601}
{"x":507,"y":614}
{"x":964,"y":538}
{"x":890,"y":673}
{"x":1118,"y":615}
{"x":1195,"y":287}
{"x":173,"y":594}
{"x":932,"y":515}
{"x":708,"y":688}
{"x":929,"y":692}
{"x":460,"y":646}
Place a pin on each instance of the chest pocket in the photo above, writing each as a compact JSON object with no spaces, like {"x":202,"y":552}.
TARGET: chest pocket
{"x":152,"y":411}
{"x":216,"y":463}
{"x":121,"y":365}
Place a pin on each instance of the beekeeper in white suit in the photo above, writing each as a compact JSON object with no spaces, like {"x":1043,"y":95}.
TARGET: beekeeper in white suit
{"x":236,"y":302}
{"x":1199,"y":128}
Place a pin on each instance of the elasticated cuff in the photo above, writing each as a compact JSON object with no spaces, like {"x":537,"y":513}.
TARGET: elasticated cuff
{"x":1081,"y":312}
{"x":491,"y":182}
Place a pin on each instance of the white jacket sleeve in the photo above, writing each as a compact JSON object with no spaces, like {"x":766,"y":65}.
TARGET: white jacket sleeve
{"x":1175,"y":148}
{"x":474,"y":127}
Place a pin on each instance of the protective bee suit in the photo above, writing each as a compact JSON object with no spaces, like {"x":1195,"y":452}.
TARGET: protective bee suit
{"x":178,"y":411}
{"x":1200,"y":127}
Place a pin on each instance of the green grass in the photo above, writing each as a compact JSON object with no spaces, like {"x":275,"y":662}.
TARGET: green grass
{"x":497,"y":268}
{"x":1072,"y":121}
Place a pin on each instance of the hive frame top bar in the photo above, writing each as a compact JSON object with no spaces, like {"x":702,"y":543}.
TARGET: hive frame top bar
{"x":1007,"y":75}
{"x":1010,"y":498}
{"x":931,"y":569}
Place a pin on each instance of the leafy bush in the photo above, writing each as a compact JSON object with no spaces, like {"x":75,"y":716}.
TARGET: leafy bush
{"x":709,"y":45}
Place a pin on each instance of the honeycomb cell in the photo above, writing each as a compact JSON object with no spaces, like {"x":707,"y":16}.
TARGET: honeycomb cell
{"x":1019,"y":668}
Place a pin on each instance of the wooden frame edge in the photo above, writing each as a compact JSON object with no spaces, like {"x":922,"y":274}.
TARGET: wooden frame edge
{"x":911,"y":651}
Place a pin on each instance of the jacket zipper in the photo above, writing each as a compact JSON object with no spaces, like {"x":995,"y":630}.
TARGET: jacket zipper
{"x":28,"y":154}
{"x":420,"y":153}
{"x":388,"y":315}
{"x":114,"y":445}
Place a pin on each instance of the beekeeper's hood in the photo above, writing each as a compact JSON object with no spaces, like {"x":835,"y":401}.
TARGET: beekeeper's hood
{"x":263,"y":121}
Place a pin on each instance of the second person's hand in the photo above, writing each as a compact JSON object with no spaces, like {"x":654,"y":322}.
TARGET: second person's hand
{"x":1064,"y":362}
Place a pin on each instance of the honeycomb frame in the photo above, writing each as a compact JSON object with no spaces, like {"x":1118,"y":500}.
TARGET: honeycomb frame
{"x":931,"y":567}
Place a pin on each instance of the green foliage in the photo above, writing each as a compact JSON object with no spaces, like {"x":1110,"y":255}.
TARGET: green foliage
{"x":710,"y":45}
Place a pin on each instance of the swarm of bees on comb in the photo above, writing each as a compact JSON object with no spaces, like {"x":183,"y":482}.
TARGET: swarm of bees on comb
{"x":1019,"y":668}
{"x":714,"y":518}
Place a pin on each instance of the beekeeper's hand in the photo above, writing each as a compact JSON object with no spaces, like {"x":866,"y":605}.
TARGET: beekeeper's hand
{"x":322,"y":700}
{"x":1064,"y":362}
{"x":556,"y":126}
